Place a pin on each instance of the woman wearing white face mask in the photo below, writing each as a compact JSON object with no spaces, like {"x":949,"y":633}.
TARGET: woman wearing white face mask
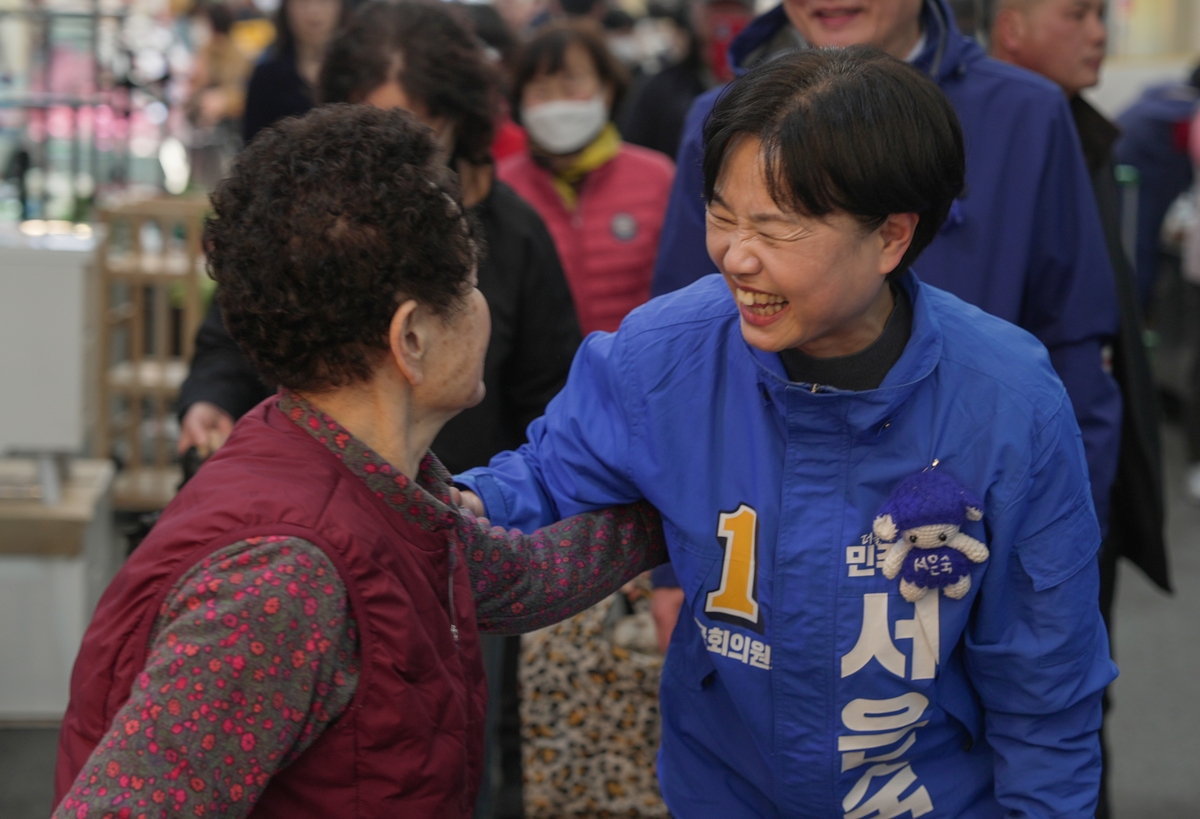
{"x":603,"y":200}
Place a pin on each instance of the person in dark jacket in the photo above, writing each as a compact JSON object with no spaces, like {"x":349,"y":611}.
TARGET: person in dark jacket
{"x":299,"y":635}
{"x":1023,"y":243}
{"x":1064,"y":41}
{"x":282,"y":84}
{"x":221,"y":385}
{"x":653,"y":117}
{"x":534,"y":330}
{"x":1154,"y":139}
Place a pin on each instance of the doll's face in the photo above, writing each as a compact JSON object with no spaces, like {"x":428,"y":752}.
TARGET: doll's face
{"x":930,"y":537}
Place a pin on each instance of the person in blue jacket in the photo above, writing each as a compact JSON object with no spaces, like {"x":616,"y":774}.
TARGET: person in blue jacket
{"x":776,"y":415}
{"x":1154,"y":139}
{"x":1024,"y":242}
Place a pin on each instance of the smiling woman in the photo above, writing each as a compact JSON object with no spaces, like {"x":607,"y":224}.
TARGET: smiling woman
{"x":792,"y":420}
{"x":808,"y":215}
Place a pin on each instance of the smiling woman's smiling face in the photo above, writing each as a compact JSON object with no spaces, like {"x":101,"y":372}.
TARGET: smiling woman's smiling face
{"x":817,"y":284}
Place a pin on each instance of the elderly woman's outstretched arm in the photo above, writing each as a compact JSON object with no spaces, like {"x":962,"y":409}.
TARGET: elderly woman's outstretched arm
{"x":526,"y":582}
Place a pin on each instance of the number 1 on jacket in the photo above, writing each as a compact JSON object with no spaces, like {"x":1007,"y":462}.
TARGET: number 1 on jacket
{"x":736,"y":599}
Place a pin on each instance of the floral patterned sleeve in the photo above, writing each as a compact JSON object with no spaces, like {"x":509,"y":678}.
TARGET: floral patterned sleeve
{"x":525,"y":582}
{"x":254,"y":652}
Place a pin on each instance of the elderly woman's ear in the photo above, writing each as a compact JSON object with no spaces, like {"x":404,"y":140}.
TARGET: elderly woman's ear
{"x":409,"y":340}
{"x":895,"y":235}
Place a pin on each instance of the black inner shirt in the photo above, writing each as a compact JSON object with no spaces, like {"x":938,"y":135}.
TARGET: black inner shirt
{"x":864,"y":370}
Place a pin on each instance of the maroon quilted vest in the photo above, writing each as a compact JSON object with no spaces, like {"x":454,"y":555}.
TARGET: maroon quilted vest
{"x":411,"y":742}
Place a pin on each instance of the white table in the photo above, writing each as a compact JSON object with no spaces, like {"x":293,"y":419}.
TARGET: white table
{"x":55,"y":561}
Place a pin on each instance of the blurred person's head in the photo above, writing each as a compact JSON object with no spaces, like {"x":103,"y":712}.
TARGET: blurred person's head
{"x":714,"y":24}
{"x":566,"y":88}
{"x":826,"y":172}
{"x":892,"y":25}
{"x":591,"y":9}
{"x":621,"y":38}
{"x":1063,"y":40}
{"x":345,"y":262}
{"x":420,"y":57}
{"x":499,"y":41}
{"x":307,"y":25}
{"x":220,"y":19}
{"x":521,"y":14}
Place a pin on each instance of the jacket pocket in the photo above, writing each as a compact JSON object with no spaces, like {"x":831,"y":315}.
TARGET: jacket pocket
{"x":688,"y":661}
{"x":1060,"y":562}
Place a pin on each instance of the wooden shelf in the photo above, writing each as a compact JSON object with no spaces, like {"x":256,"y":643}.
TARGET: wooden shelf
{"x":156,"y":281}
{"x":145,"y":489}
{"x":137,"y":268}
{"x":148,"y":377}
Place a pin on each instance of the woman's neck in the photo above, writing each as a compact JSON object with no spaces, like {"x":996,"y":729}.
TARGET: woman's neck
{"x":556,"y":163}
{"x":308,"y":61}
{"x":475,"y":181}
{"x":384,"y":420}
{"x":858,"y":336}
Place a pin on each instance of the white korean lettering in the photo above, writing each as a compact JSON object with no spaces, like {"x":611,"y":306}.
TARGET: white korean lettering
{"x":924,"y":631}
{"x":760,"y":655}
{"x":861,"y":742}
{"x":886,"y":803}
{"x":860,"y":559}
{"x":718,"y":640}
{"x":731,"y":644}
{"x":739,"y":647}
{"x":884,"y":715}
{"x":856,"y":759}
{"x":874,"y":640}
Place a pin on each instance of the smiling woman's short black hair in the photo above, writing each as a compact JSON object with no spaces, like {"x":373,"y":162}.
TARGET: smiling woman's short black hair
{"x":323,"y":228}
{"x":845,"y":130}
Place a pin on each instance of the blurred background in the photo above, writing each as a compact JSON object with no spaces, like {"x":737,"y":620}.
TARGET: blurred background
{"x":117,"y":117}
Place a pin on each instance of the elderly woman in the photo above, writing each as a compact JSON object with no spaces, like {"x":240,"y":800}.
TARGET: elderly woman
{"x":297,"y":635}
{"x":874,"y":494}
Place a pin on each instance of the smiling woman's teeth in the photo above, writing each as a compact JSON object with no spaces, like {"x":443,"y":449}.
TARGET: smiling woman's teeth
{"x":763,"y":304}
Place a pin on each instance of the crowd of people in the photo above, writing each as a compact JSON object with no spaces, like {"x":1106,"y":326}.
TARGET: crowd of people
{"x":829,"y":323}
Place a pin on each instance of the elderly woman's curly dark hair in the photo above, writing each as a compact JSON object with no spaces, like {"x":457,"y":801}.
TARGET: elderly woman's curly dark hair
{"x":324,"y":227}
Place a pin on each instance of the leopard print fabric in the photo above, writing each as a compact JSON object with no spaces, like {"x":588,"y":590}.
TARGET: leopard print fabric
{"x":590,"y":725}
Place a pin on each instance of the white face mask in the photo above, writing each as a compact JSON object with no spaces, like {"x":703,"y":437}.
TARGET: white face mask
{"x":565,"y":126}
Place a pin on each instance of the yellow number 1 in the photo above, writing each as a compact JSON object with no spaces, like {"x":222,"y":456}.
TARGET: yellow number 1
{"x":739,"y":530}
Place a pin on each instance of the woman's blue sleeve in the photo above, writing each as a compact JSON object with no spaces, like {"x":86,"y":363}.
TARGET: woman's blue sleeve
{"x":1037,"y":649}
{"x":578,"y":455}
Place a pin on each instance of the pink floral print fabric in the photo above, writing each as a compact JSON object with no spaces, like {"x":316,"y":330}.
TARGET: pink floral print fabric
{"x":252,"y":655}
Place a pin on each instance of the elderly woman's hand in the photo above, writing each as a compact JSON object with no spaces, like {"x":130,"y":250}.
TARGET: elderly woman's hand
{"x":468,"y":501}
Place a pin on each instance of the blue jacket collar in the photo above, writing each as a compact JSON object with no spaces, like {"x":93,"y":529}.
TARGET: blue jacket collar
{"x":946,"y":49}
{"x":869,"y":410}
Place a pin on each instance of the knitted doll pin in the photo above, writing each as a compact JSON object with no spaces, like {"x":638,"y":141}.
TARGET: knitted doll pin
{"x":922,"y":523}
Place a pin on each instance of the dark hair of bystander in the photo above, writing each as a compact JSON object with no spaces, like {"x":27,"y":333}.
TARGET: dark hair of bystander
{"x":546,"y":54}
{"x":431,"y":52}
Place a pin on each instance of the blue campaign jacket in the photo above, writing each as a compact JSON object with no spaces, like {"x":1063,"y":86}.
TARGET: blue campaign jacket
{"x":1024,"y":242}
{"x":1149,"y":141}
{"x":799,"y":683}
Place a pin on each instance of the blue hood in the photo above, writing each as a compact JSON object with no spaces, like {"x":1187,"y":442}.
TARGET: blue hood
{"x":946,"y":49}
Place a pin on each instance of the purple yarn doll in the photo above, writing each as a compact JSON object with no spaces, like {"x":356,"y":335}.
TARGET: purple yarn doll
{"x":922,"y":523}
